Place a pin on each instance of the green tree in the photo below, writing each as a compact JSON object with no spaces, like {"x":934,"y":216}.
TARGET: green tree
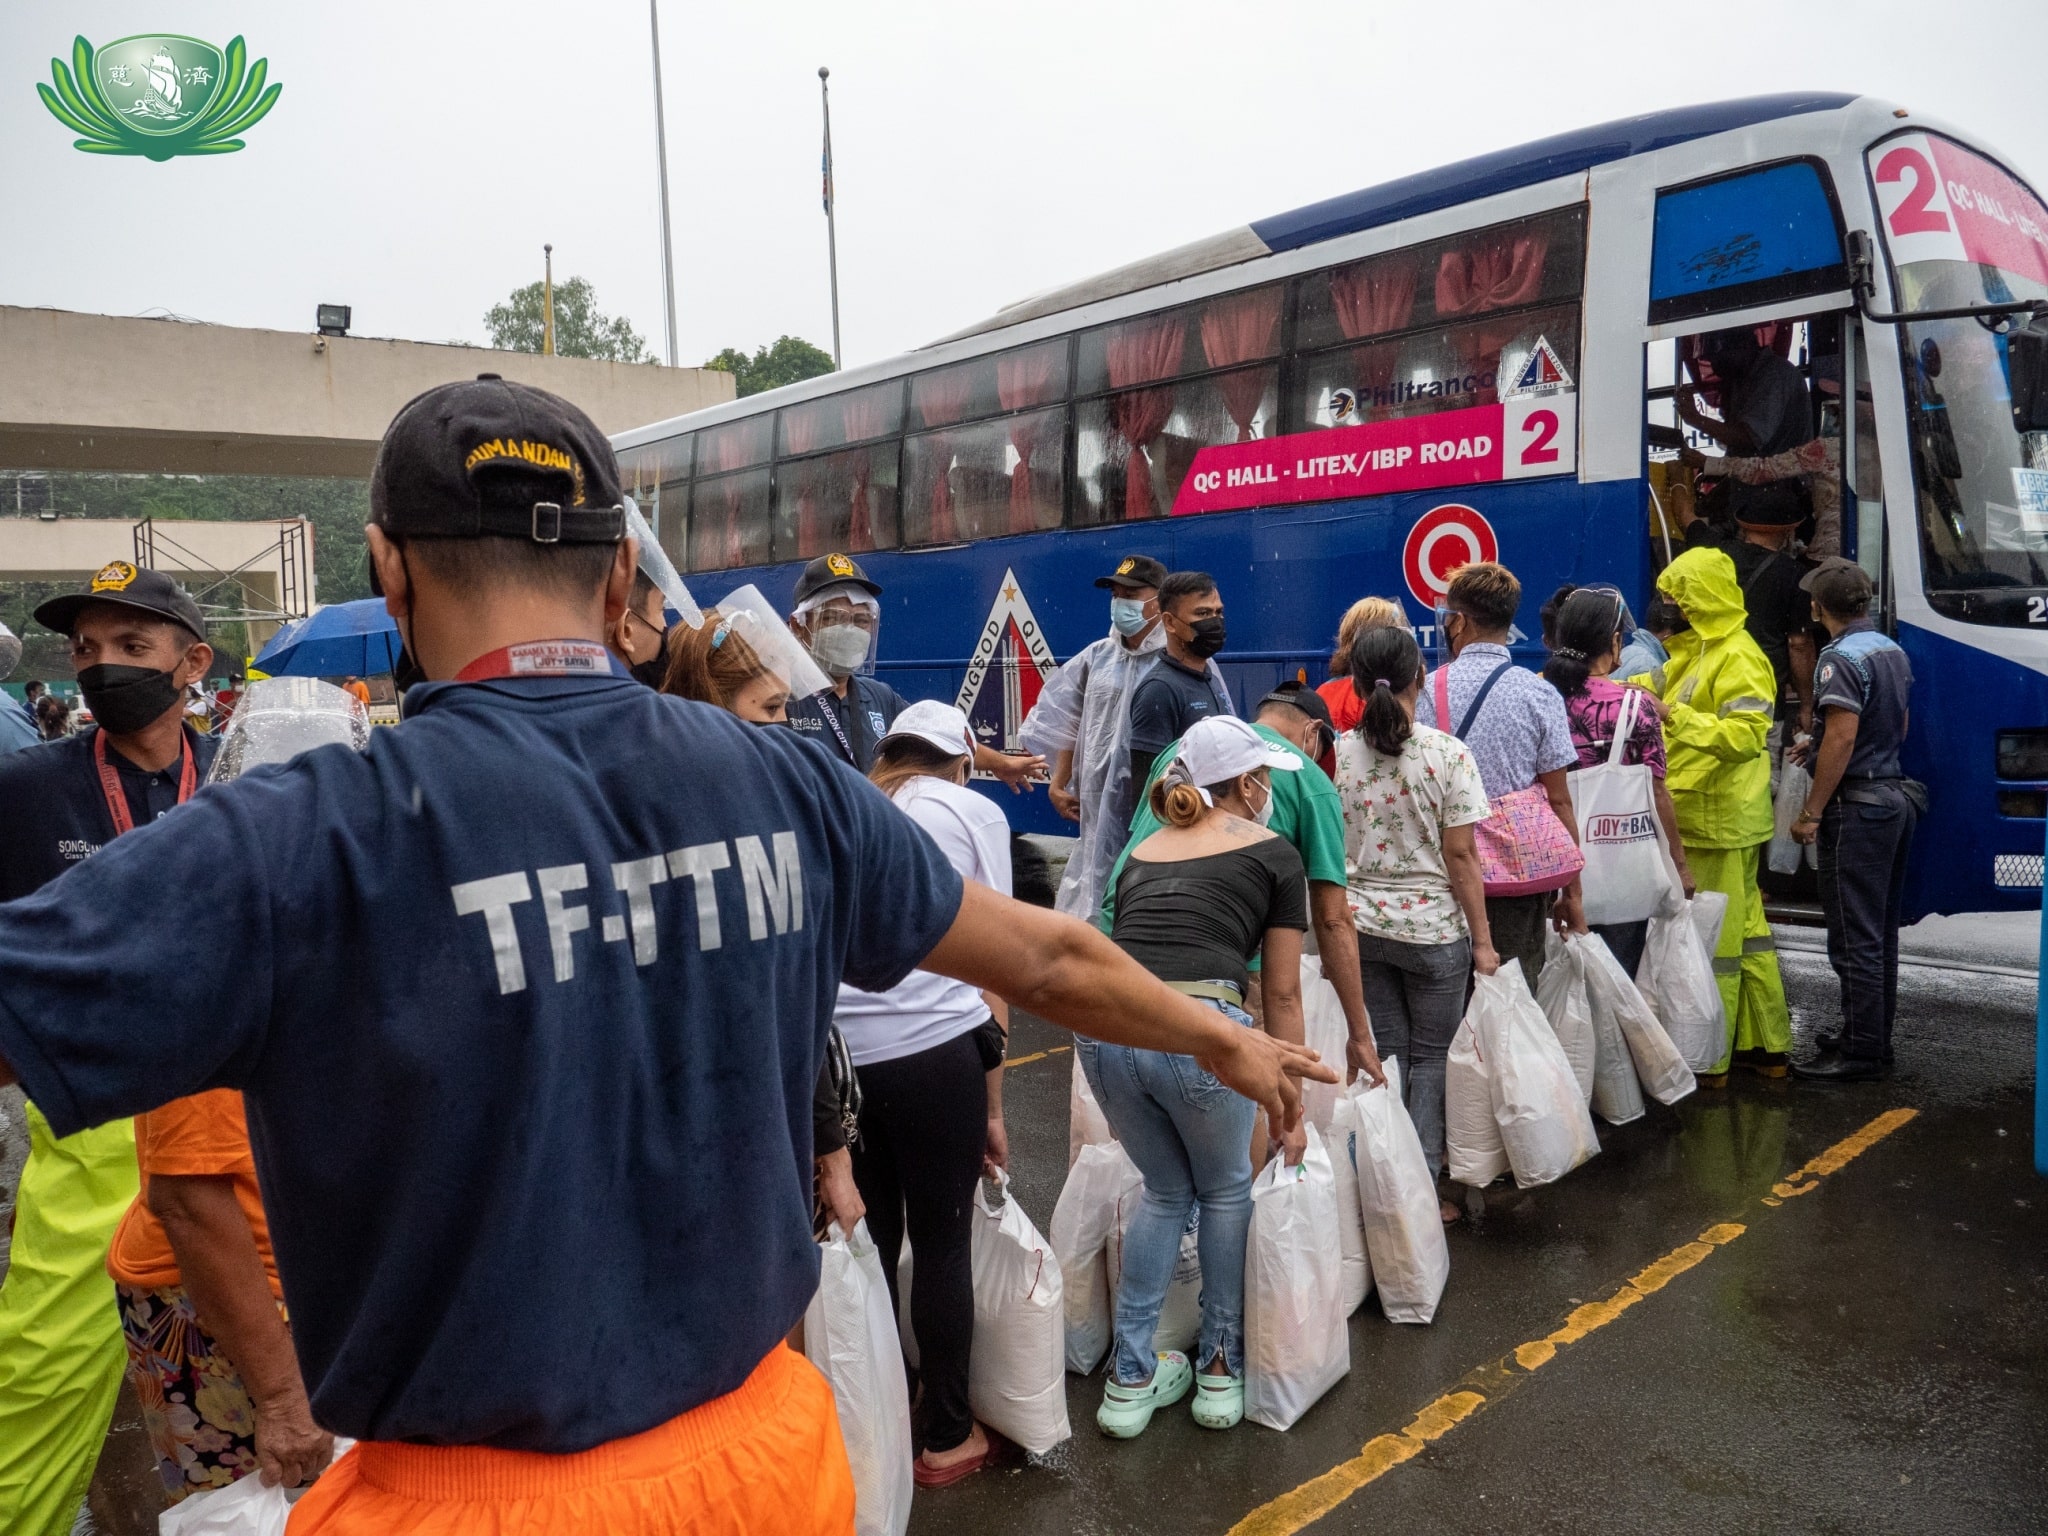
{"x":581,"y":330}
{"x":791,"y":360}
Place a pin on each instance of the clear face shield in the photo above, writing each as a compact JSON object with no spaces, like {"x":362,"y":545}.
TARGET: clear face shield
{"x":280,"y":717}
{"x":744,"y":617}
{"x":841,"y":626}
{"x":1624,"y":621}
{"x":656,"y":566}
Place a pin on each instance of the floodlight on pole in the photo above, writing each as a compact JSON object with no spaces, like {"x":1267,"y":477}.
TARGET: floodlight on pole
{"x":831,"y":223}
{"x":668,"y":260}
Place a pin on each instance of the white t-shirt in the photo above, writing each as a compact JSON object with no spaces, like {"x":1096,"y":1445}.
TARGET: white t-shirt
{"x":924,"y":1009}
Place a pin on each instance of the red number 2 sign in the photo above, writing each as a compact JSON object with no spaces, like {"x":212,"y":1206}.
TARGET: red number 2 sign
{"x":1913,"y":216}
{"x":1541,"y":427}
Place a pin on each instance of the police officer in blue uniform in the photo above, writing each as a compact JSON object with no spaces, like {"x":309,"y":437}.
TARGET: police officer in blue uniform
{"x":838,"y":617}
{"x":1861,"y":810}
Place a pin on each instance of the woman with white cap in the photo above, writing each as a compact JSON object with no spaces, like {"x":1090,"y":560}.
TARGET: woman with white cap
{"x":928,"y":1054}
{"x":1195,"y":901}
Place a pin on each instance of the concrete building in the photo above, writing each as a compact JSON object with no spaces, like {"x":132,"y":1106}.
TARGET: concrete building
{"x":101,"y":392}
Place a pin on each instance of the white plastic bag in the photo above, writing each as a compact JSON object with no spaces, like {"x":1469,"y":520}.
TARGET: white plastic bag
{"x":1794,"y":783}
{"x":1561,"y":994}
{"x":1617,"y":1095}
{"x":1677,"y":976}
{"x":1628,"y":871}
{"x":1664,"y":1074}
{"x":243,"y":1508}
{"x":1397,"y":1199}
{"x":1296,"y":1346}
{"x":1342,"y":1144}
{"x":1180,"y":1313}
{"x":1709,"y":911}
{"x":1324,"y":1032}
{"x":1543,"y":1121}
{"x":1473,"y":1153}
{"x":1087,"y":1126}
{"x":850,"y":1337}
{"x":1017,"y":1374}
{"x":1081,"y":1226}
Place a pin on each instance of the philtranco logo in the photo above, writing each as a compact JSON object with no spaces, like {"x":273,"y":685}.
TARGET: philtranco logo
{"x":159,"y":95}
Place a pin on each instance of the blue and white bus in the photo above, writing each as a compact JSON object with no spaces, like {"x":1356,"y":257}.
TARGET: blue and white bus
{"x":1358,"y":396}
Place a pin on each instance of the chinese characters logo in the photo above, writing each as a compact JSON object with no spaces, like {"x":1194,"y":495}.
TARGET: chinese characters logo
{"x":159,"y":96}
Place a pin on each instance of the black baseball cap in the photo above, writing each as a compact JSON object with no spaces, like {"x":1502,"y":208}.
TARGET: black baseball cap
{"x":1134,"y":571}
{"x":830,"y":571}
{"x":1300,"y":696}
{"x":1828,"y":566}
{"x":127,"y":586}
{"x":490,"y":457}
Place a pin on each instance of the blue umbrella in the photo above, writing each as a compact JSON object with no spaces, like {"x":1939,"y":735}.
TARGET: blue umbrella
{"x":343,"y":640}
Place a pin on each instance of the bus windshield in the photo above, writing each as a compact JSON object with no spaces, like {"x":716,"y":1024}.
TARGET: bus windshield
{"x":1961,"y":230}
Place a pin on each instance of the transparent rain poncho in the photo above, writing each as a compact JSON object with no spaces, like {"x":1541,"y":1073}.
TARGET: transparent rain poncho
{"x":280,"y":717}
{"x":1085,"y":708}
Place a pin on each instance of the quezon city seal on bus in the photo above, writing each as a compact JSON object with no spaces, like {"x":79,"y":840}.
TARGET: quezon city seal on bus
{"x":1011,"y":648}
{"x":159,"y":95}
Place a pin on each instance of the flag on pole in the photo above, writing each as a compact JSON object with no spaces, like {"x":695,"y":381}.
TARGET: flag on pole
{"x":825,"y":166}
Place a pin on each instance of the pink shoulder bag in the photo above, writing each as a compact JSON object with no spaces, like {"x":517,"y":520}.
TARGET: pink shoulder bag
{"x":1523,"y":848}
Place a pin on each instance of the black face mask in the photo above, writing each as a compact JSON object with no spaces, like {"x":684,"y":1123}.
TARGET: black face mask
{"x":1208,"y":638}
{"x":654,"y":668}
{"x":406,"y":671}
{"x":125,"y":699}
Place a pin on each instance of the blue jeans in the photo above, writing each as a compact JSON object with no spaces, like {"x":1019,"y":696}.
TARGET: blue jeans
{"x":1191,"y":1138}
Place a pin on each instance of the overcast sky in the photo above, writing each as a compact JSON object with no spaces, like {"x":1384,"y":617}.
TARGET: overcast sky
{"x":423,"y":150}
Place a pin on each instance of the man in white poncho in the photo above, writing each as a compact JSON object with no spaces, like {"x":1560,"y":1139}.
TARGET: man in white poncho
{"x":1082,"y":720}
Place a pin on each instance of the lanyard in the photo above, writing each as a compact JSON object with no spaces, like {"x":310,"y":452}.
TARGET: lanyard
{"x":117,"y":797}
{"x":540,"y":658}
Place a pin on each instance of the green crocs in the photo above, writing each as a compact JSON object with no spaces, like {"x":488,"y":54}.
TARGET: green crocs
{"x":1125,"y":1411}
{"x":1219,"y":1401}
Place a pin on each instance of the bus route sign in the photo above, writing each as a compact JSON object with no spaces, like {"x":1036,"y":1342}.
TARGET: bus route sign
{"x":1513,"y":440}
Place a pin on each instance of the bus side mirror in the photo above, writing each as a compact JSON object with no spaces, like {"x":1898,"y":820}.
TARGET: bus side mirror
{"x":2026,"y":357}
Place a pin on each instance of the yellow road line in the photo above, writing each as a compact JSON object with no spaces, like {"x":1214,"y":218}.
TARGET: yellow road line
{"x":1025,"y":1061}
{"x":1304,"y":1505}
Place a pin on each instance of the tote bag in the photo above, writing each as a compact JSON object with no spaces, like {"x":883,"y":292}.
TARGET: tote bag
{"x":1627,"y":876}
{"x":1523,"y":848}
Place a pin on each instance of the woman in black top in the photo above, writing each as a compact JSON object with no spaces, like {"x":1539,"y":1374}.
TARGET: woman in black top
{"x":1196,"y":899}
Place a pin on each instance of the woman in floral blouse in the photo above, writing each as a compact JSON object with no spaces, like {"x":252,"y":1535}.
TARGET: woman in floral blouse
{"x":1411,"y":798}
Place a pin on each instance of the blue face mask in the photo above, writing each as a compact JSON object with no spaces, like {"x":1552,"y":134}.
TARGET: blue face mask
{"x":1127,"y":615}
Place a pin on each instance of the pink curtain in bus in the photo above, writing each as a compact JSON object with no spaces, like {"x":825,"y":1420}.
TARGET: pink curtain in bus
{"x":1239,"y":328}
{"x":1494,"y":272}
{"x":864,"y":414}
{"x":942,"y":399}
{"x":800,"y":434}
{"x":1022,"y":381}
{"x":1374,"y":298}
{"x":1140,"y":351}
{"x":729,"y":450}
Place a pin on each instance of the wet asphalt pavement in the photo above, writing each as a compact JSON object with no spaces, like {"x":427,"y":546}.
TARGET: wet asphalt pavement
{"x":1868,"y":1355}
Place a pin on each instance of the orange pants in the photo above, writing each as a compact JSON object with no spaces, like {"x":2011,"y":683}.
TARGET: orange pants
{"x":765,"y":1458}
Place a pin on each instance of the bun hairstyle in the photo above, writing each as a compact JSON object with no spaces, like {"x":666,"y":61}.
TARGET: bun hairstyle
{"x":710,"y":663}
{"x":1584,"y":630}
{"x":1385,"y":664}
{"x":1176,"y":801}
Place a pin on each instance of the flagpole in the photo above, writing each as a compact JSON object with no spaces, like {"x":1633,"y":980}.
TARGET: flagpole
{"x":668,"y":261}
{"x":831,"y":222}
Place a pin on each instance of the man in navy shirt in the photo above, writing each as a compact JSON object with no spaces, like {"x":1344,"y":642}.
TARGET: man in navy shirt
{"x":1863,"y":683}
{"x":526,"y":1003}
{"x":1185,"y":686}
{"x":136,"y":641}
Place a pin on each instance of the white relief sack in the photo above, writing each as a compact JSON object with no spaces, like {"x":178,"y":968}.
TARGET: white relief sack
{"x":1543,"y":1121}
{"x":1087,"y":1126}
{"x":1473,"y":1153}
{"x":1017,"y":1374}
{"x":1324,"y":1032}
{"x":1082,"y":1222}
{"x":1561,"y":994}
{"x":1342,"y":1142}
{"x":851,"y":1338}
{"x":1664,"y":1074}
{"x":1296,"y":1346}
{"x":1677,"y":976}
{"x":1397,"y":1199}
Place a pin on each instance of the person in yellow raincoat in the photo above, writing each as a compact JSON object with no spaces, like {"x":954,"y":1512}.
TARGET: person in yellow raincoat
{"x":1718,"y":697}
{"x":61,"y":1355}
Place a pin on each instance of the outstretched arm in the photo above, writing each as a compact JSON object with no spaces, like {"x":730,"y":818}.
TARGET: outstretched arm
{"x":1069,"y":974}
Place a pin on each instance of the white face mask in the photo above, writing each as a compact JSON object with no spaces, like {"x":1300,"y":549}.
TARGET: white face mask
{"x":1264,"y":814}
{"x":840,"y":648}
